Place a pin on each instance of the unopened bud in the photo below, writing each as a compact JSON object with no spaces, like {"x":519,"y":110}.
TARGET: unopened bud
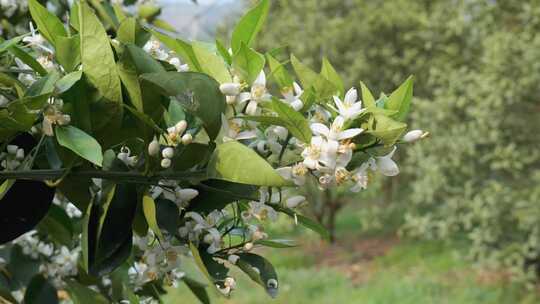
{"x":64,"y":120}
{"x":413,"y":136}
{"x":20,"y":154}
{"x":187,"y":139}
{"x":153,"y":148}
{"x":272,"y":283}
{"x":230,"y":89}
{"x":233,"y":258}
{"x":168,"y":152}
{"x":248,"y":246}
{"x":294,"y":201}
{"x":12,"y":149}
{"x":166,"y":163}
{"x":181,"y":127}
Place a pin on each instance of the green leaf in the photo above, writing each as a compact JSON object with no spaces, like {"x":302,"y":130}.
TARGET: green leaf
{"x":167,"y":215}
{"x":276,"y":243}
{"x":44,"y":85}
{"x":149,"y":209}
{"x":109,"y":229}
{"x":198,"y":289}
{"x":25,"y":57}
{"x":81,"y":294}
{"x":40,"y":291}
{"x":65,"y":83}
{"x":264,"y":276}
{"x":7,"y":44}
{"x":130,"y":31}
{"x":130,"y":79}
{"x":190,"y":156}
{"x":367,"y":97}
{"x":249,"y":25}
{"x":279,"y":73}
{"x":182,"y":48}
{"x":389,"y":131}
{"x":144,"y":63}
{"x":58,"y":226}
{"x":295,"y":122}
{"x":400,"y":99}
{"x":248,"y":63}
{"x":328,"y":72}
{"x":223,"y":52}
{"x":309,"y":78}
{"x":306,"y":222}
{"x":97,"y":56}
{"x":234,"y":162}
{"x":68,"y":52}
{"x":217,"y":194}
{"x":212,"y":270}
{"x":81,"y":143}
{"x":198,"y":93}
{"x":211,"y":63}
{"x":48,"y":24}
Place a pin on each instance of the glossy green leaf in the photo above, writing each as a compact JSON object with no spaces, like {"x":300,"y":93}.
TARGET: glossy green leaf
{"x":130,"y":79}
{"x":40,"y":291}
{"x":182,"y":48}
{"x":279,"y":73}
{"x":48,"y":24}
{"x":44,"y":85}
{"x":65,"y":83}
{"x":97,"y":56}
{"x":309,"y":78}
{"x":167,"y":214}
{"x":130,"y":31}
{"x":58,"y":226}
{"x":81,"y":143}
{"x":68,"y":52}
{"x":389,"y":131}
{"x":367,"y":97}
{"x":328,"y":72}
{"x":224,"y":52}
{"x":295,"y":122}
{"x":249,"y":25}
{"x":248,"y":63}
{"x":25,"y":57}
{"x":276,"y":243}
{"x":198,"y":93}
{"x":234,"y":162}
{"x":149,"y":209}
{"x":212,"y":270}
{"x":211,"y":63}
{"x":217,"y":194}
{"x":400,"y":99}
{"x":266,"y":275}
{"x":7,"y":44}
{"x":306,"y":222}
{"x":198,"y":289}
{"x":81,"y":294}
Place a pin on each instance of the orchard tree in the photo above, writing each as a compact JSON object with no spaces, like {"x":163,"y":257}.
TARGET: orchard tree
{"x":126,"y":150}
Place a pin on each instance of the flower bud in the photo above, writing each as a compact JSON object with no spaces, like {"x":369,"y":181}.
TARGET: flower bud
{"x":413,"y":136}
{"x":248,"y":246}
{"x":180,"y":127}
{"x":168,"y":152}
{"x":166,"y":163}
{"x":186,"y":194}
{"x":272,"y":283}
{"x":64,"y":120}
{"x":294,"y":201}
{"x":20,"y":154}
{"x":123,"y":156}
{"x":230,"y":100}
{"x":230,"y":89}
{"x":153,"y":148}
{"x":230,"y":282}
{"x":233,"y":258}
{"x":187,"y":139}
{"x":12,"y":149}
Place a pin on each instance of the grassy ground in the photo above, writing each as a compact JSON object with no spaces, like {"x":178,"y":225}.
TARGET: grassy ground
{"x":372,"y":268}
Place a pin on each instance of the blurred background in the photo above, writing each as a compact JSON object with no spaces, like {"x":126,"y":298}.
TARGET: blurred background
{"x":461,"y":224}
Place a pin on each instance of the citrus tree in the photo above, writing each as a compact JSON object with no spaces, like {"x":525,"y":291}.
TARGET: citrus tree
{"x":125,"y":151}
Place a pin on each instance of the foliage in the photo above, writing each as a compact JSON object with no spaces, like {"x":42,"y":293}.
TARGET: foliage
{"x":477,"y":77}
{"x":139,"y":160}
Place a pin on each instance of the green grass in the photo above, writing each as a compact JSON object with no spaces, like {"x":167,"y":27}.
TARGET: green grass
{"x":412,"y":272}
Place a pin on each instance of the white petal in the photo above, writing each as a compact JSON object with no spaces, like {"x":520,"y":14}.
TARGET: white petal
{"x":413,"y":136}
{"x":251,"y":108}
{"x":297,"y":104}
{"x":351,"y":96}
{"x":243,"y":97}
{"x":320,"y":129}
{"x":246,"y":135}
{"x":339,"y":104}
{"x":261,"y":80}
{"x":387,"y":166}
{"x":349,"y":133}
{"x":285,"y":172}
{"x":297,"y":89}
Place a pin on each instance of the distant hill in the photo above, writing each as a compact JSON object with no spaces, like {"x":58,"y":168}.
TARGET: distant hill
{"x":199,"y":21}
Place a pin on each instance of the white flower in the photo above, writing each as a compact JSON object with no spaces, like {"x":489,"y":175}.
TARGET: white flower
{"x":320,"y":151}
{"x":175,"y":61}
{"x":153,"y":47}
{"x":292,"y":97}
{"x":184,"y":196}
{"x":360,"y":178}
{"x":386,"y":165}
{"x":3,"y":101}
{"x":187,"y":139}
{"x":296,"y":173}
{"x":349,"y":108}
{"x":168,"y":152}
{"x":234,"y":129}
{"x":258,"y":94}
{"x":233,"y":258}
{"x":36,"y":40}
{"x":213,"y":238}
{"x":260,"y":211}
{"x":336,"y":131}
{"x":126,"y":158}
